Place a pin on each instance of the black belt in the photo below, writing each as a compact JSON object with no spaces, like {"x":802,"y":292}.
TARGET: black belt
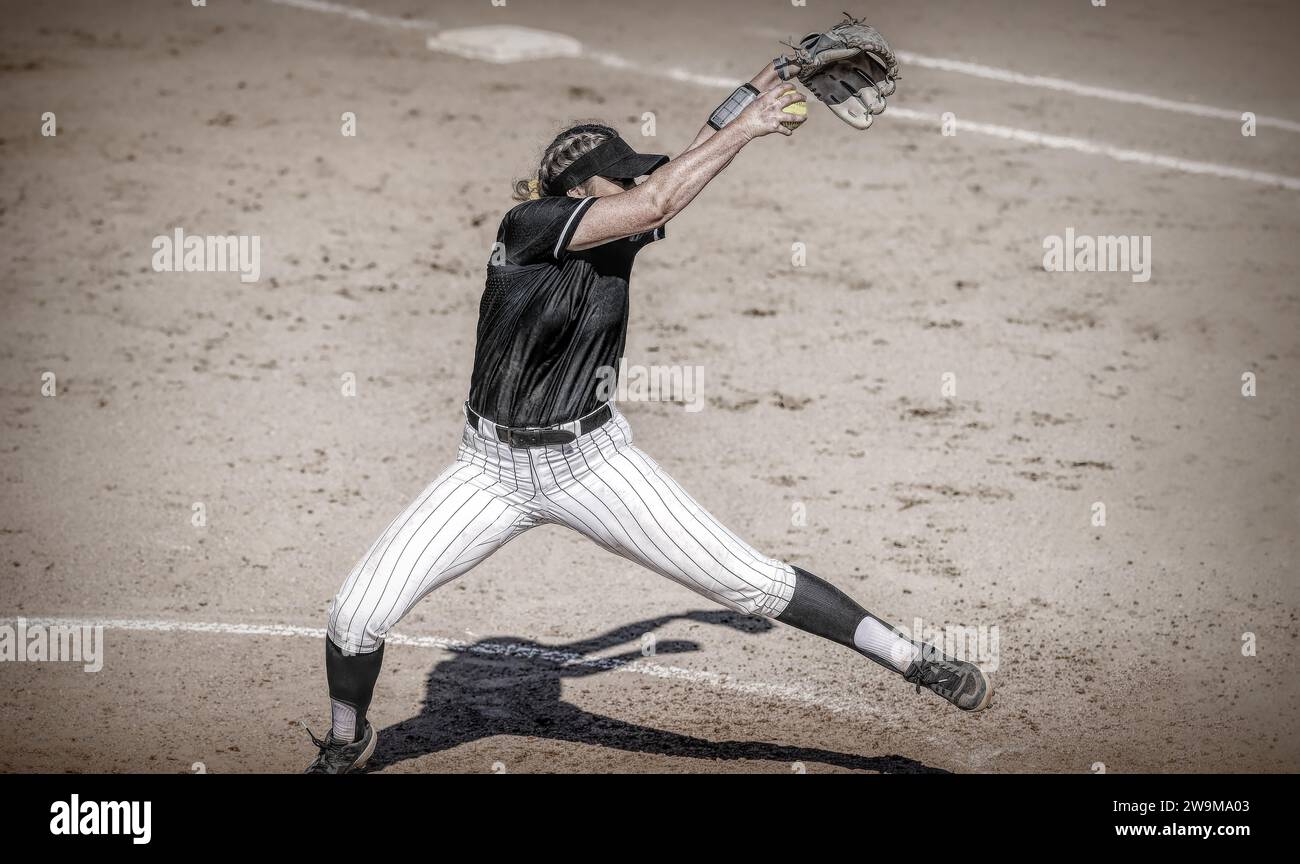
{"x":562,"y":433}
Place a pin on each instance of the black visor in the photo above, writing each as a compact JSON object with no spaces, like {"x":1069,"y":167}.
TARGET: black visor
{"x":612,"y":159}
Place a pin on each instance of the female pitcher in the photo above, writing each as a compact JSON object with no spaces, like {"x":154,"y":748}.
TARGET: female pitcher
{"x":540,"y":445}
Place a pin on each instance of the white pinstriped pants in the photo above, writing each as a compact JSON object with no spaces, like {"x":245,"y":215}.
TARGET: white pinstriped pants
{"x":599,"y":485}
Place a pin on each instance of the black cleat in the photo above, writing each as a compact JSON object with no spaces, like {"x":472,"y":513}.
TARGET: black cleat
{"x":342,"y":757}
{"x":963,"y":684}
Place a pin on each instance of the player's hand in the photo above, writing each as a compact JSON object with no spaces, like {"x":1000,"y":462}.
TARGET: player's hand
{"x":764,"y":115}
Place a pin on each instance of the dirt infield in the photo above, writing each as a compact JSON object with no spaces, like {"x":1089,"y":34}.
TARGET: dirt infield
{"x":1119,"y":645}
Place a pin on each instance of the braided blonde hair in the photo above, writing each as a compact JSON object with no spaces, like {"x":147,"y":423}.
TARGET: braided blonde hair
{"x":567,"y":148}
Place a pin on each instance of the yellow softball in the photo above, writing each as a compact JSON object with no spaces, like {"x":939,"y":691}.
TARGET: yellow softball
{"x":799,"y":108}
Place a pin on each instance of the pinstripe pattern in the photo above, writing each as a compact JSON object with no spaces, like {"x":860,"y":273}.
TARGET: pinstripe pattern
{"x":601,"y":486}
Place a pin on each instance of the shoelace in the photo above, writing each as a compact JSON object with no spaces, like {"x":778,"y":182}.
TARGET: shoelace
{"x":326,"y":743}
{"x":927,"y":674}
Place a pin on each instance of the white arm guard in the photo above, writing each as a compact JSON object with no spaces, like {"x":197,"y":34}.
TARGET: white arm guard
{"x":735,"y":103}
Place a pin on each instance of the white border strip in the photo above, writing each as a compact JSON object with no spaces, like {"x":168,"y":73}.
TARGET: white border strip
{"x":757,"y":690}
{"x":563,"y":241}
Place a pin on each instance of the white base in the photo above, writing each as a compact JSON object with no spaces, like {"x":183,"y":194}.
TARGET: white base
{"x":505,"y":44}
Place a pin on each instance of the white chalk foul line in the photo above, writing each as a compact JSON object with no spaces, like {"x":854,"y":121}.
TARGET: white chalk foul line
{"x":560,"y":45}
{"x":1062,"y":85}
{"x":753,"y":689}
{"x":357,"y":14}
{"x":1100,"y":148}
{"x":1008,"y":133}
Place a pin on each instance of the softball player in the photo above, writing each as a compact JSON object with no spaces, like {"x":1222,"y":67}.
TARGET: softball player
{"x":540,"y":446}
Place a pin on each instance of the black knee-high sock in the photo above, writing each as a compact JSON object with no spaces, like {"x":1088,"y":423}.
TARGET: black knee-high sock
{"x":820,"y":608}
{"x":352,"y":680}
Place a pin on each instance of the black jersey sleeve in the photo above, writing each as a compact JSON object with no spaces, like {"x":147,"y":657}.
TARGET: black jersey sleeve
{"x":537,"y":232}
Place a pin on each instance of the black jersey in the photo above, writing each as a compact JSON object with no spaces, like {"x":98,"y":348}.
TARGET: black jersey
{"x":550,"y":320}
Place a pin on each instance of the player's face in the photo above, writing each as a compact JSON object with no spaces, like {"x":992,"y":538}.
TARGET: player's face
{"x":599,"y":187}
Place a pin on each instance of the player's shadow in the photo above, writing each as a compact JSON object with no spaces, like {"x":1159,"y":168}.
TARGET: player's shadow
{"x":511,"y":686}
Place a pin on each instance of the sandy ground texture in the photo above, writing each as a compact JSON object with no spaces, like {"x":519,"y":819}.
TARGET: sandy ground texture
{"x":1119,"y":644}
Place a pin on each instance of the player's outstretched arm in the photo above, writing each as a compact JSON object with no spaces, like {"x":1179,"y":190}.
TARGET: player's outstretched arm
{"x":766,"y":79}
{"x":667,"y":191}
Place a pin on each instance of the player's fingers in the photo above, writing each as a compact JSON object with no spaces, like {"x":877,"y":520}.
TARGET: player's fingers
{"x":790,"y":98}
{"x":785,"y":130}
